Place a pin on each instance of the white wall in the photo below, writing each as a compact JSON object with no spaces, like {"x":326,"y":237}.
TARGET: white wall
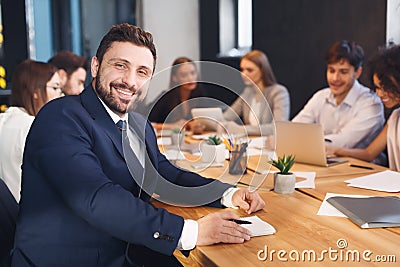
{"x":176,"y":29}
{"x":393,"y":21}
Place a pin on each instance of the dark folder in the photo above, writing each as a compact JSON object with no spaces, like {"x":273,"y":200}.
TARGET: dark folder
{"x":369,"y":212}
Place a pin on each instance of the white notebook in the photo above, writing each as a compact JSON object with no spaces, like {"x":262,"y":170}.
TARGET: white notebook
{"x":258,"y":227}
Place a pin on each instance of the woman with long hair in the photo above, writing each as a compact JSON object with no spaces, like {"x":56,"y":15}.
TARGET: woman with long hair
{"x":262,"y":101}
{"x":33,"y":85}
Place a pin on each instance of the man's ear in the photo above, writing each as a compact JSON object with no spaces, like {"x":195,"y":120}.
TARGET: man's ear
{"x":358,"y":72}
{"x":94,"y":66}
{"x":63,"y":77}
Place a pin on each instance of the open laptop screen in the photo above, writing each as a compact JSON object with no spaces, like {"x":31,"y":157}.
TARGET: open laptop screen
{"x":305,"y":141}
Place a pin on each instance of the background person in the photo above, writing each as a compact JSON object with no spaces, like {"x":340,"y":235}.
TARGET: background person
{"x":183,"y":85}
{"x":33,"y":84}
{"x":261,"y":96}
{"x":72,"y":71}
{"x":351,"y":115}
{"x":385,"y":69}
{"x":77,"y":183}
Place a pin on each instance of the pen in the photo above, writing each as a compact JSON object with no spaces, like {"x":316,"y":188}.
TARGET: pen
{"x":360,"y":166}
{"x":240,"y":221}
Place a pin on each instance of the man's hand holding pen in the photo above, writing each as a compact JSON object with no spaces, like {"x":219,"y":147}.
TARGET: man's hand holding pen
{"x":225,"y":226}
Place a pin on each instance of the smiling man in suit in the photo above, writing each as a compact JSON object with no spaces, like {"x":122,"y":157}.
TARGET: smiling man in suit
{"x":80,"y":204}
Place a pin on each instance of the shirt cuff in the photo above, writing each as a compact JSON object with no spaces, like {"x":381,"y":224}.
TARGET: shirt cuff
{"x":189,"y":234}
{"x":226,"y":199}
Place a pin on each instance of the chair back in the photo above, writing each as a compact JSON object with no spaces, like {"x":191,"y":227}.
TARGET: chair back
{"x":8,"y":217}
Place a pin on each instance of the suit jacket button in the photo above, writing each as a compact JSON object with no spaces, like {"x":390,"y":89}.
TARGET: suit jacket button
{"x":156,"y":235}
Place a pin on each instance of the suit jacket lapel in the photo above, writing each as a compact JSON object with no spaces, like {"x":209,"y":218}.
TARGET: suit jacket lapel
{"x":92,"y":104}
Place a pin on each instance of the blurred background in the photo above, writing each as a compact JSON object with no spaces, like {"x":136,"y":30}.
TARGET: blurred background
{"x":294,"y":34}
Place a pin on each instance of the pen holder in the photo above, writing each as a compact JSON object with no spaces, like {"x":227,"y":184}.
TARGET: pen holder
{"x":238,"y":160}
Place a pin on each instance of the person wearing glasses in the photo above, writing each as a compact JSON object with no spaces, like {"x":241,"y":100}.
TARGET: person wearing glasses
{"x":351,"y":114}
{"x":33,"y":85}
{"x":385,"y":70}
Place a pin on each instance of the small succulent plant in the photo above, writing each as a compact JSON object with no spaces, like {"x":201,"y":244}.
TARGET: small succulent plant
{"x":283,"y":164}
{"x":214,"y":140}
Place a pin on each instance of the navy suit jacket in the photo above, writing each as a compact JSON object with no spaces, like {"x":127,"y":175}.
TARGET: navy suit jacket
{"x":79,"y":202}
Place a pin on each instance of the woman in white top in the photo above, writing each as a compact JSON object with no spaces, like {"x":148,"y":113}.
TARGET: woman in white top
{"x":33,"y":84}
{"x":385,"y":68}
{"x":262,"y":101}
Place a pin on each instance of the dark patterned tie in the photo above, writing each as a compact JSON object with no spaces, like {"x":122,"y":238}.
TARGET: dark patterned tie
{"x":121,"y":125}
{"x":132,"y":161}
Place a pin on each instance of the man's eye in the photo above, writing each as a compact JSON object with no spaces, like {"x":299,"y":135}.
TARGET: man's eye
{"x":120,"y":66}
{"x":143,"y":72}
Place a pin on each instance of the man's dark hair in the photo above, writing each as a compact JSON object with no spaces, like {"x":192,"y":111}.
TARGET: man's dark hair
{"x":345,"y":50}
{"x":69,"y":62}
{"x":126,"y":33}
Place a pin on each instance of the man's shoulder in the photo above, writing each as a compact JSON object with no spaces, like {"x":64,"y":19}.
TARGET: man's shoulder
{"x":320,"y":94}
{"x":366,"y":94}
{"x":63,"y":105}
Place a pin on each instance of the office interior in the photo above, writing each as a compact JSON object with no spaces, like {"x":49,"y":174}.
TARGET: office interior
{"x":294,"y":34}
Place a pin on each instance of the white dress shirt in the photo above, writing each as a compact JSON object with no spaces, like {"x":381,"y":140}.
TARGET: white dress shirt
{"x":190,"y":230}
{"x":352,"y":124}
{"x":14,"y":127}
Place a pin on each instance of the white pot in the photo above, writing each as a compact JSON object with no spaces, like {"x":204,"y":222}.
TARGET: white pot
{"x":284,"y":183}
{"x":212,"y":153}
{"x":177,"y":139}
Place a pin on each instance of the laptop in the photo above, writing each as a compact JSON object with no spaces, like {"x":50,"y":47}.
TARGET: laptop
{"x":305,"y":141}
{"x":210,"y":117}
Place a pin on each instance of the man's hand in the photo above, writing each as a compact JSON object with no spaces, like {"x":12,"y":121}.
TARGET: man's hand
{"x":248,"y":201}
{"x":331,"y":150}
{"x":217,"y":228}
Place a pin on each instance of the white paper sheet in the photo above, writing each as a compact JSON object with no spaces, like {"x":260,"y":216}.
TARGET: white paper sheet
{"x":309,"y":181}
{"x":258,"y":227}
{"x":386,"y":181}
{"x":174,"y":155}
{"x":164,"y":141}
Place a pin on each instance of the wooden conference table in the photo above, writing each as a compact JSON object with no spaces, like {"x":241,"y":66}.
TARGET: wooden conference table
{"x":300,"y":234}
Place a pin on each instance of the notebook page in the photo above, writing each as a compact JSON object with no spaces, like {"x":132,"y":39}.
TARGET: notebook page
{"x":258,"y":227}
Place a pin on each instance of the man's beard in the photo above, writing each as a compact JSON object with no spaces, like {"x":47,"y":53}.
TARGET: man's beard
{"x":112,"y":101}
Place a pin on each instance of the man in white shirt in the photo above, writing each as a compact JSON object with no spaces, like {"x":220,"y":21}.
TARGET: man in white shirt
{"x":350,"y":113}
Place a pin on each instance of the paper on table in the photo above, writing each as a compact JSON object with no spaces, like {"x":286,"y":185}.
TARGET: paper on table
{"x":309,"y":181}
{"x":258,"y":227}
{"x":251,"y":151}
{"x":326,"y":209}
{"x":174,"y":155}
{"x":202,"y":136}
{"x":258,"y":142}
{"x":387,"y":181}
{"x":164,"y":141}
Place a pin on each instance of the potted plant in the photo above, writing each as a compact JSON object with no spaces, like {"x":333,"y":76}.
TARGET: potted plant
{"x":284,"y":180}
{"x":213,"y":150}
{"x":177,"y":136}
